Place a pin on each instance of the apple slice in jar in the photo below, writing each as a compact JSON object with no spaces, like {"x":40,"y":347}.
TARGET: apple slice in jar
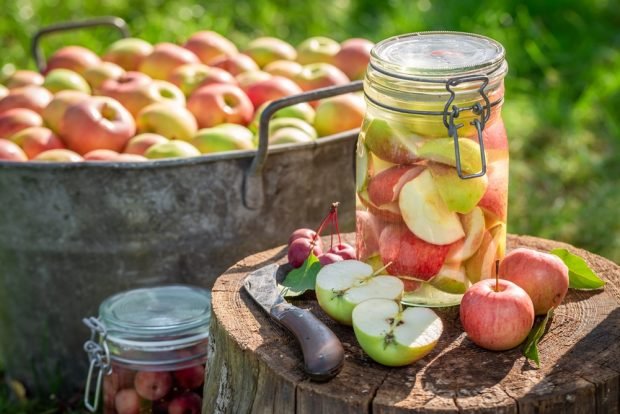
{"x":394,"y":336}
{"x":390,"y":144}
{"x":459,"y":195}
{"x":451,"y":279}
{"x":474,"y":227}
{"x":388,"y":212}
{"x":426,"y":214}
{"x":482,"y":264}
{"x":363,"y":167}
{"x":442,"y":150}
{"x":495,"y":199}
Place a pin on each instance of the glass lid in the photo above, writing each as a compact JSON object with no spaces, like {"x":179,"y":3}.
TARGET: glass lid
{"x":156,"y":312}
{"x":436,"y":53}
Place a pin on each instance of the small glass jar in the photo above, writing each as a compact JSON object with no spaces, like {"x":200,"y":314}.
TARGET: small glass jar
{"x":432,"y":163}
{"x":148,"y":350}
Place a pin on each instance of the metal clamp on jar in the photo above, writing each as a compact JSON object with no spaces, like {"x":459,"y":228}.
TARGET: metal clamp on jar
{"x":432,"y":163}
{"x":148,"y":350}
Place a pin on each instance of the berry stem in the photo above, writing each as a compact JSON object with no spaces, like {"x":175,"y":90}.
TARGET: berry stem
{"x":335,"y":219}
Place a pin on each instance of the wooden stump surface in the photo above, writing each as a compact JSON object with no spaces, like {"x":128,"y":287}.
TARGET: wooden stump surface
{"x":257,"y":367}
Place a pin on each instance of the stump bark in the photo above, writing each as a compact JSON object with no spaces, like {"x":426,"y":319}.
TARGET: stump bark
{"x":257,"y":367}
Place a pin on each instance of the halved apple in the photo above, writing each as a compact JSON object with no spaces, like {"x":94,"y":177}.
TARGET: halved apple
{"x":459,"y":195}
{"x":474,"y":226}
{"x":405,"y":254}
{"x":442,"y":150}
{"x":425,"y":212}
{"x":392,"y":336}
{"x":451,"y":279}
{"x":385,"y":187}
{"x":389,"y":143}
{"x":340,"y":286}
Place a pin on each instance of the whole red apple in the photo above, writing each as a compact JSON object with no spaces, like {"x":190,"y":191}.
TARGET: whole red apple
{"x":285,"y":68}
{"x":34,"y":98}
{"x":164,"y":59}
{"x":101,"y":155}
{"x":338,"y":114}
{"x":320,"y":75}
{"x":75,"y":58}
{"x":194,"y":75}
{"x":543,"y":276}
{"x":14,"y":120}
{"x":98,"y":122}
{"x":139,"y":96}
{"x":271,"y":89}
{"x":170,"y":121}
{"x":247,"y":79}
{"x":128,"y":53}
{"x":10,"y":151}
{"x":142,"y":142}
{"x":264,"y":50}
{"x":209,"y":46}
{"x":55,"y":110}
{"x":24,"y":78}
{"x":152,"y":385}
{"x":35,"y":140}
{"x":97,"y":75}
{"x":220,"y":103}
{"x":130,"y":158}
{"x":235,"y":64}
{"x":353,"y":57}
{"x":496,"y":319}
{"x":58,"y":155}
{"x":127,"y":81}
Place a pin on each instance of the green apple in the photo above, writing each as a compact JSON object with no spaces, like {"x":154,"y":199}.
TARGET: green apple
{"x":393,"y":336}
{"x":474,"y":227}
{"x":64,"y":79}
{"x":167,"y":119}
{"x":317,"y":49}
{"x":442,"y":150}
{"x":389,"y":143}
{"x":171,"y":149}
{"x":128,"y":53}
{"x":224,"y":137}
{"x":459,"y":195}
{"x":264,"y":50}
{"x":297,"y":123}
{"x":340,"y":286}
{"x":289,"y":135}
{"x":302,"y":110}
{"x":426,"y":214}
{"x":451,"y":279}
{"x":339,"y":114}
{"x":97,"y":75}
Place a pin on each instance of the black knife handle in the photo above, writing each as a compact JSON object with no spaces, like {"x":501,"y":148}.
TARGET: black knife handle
{"x":322,"y":350}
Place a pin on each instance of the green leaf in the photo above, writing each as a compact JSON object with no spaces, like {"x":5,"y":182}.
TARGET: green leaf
{"x":530,"y":349}
{"x":580,"y":275}
{"x":299,"y":280}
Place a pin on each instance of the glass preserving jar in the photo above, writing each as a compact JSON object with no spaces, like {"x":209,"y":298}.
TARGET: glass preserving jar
{"x":432,"y":163}
{"x":148,"y":350}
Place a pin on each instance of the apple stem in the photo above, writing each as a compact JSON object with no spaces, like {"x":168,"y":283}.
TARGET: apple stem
{"x":335,"y":219}
{"x":497,"y":275}
{"x":328,"y":217}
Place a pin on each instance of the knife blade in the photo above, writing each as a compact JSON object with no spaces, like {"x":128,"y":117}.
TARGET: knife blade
{"x":323,"y":353}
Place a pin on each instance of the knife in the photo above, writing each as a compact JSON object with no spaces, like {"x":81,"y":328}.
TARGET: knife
{"x":322,"y":350}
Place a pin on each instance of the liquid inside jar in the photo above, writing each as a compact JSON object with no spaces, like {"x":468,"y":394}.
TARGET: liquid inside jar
{"x":416,"y":217}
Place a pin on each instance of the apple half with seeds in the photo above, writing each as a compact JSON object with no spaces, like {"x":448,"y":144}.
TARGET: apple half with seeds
{"x":340,"y":286}
{"x":392,"y":336}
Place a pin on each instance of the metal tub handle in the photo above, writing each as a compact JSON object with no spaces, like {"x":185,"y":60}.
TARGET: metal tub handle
{"x":37,"y":53}
{"x":253,"y":187}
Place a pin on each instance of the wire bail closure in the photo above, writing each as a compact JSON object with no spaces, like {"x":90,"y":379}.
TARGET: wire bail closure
{"x":99,"y":357}
{"x":484,"y":112}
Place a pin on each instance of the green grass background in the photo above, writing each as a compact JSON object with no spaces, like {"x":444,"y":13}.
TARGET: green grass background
{"x":562,"y":93}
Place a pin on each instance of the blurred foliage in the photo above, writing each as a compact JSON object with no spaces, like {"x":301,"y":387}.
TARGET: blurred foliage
{"x":562,"y":92}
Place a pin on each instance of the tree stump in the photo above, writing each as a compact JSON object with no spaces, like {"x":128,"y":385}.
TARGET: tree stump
{"x":257,"y":367}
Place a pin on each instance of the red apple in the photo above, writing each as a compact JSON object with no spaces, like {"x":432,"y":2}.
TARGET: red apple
{"x":385,"y":187}
{"x":128,"y":53}
{"x":34,"y":98}
{"x":58,"y":155}
{"x":320,"y":75}
{"x":130,"y":158}
{"x":209,"y":46}
{"x":101,"y":155}
{"x":190,"y":378}
{"x":223,"y":137}
{"x":127,"y":401}
{"x":98,"y":122}
{"x":496,"y":319}
{"x":264,"y":50}
{"x":14,"y":120}
{"x":136,"y":96}
{"x":194,"y":75}
{"x":55,"y":110}
{"x":284,"y":68}
{"x":170,"y":121}
{"x":10,"y":151}
{"x":409,"y":255}
{"x":317,"y":49}
{"x":235,"y":64}
{"x":142,"y":142}
{"x":24,"y":78}
{"x":338,"y":114}
{"x":289,"y":135}
{"x":188,"y":403}
{"x":494,"y":136}
{"x":35,"y":140}
{"x":152,"y":385}
{"x":247,"y":79}
{"x":353,"y":57}
{"x":97,"y":75}
{"x":220,"y":103}
{"x":543,"y":276}
{"x":75,"y":58}
{"x":495,"y":199}
{"x":164,"y":59}
{"x":271,"y":89}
